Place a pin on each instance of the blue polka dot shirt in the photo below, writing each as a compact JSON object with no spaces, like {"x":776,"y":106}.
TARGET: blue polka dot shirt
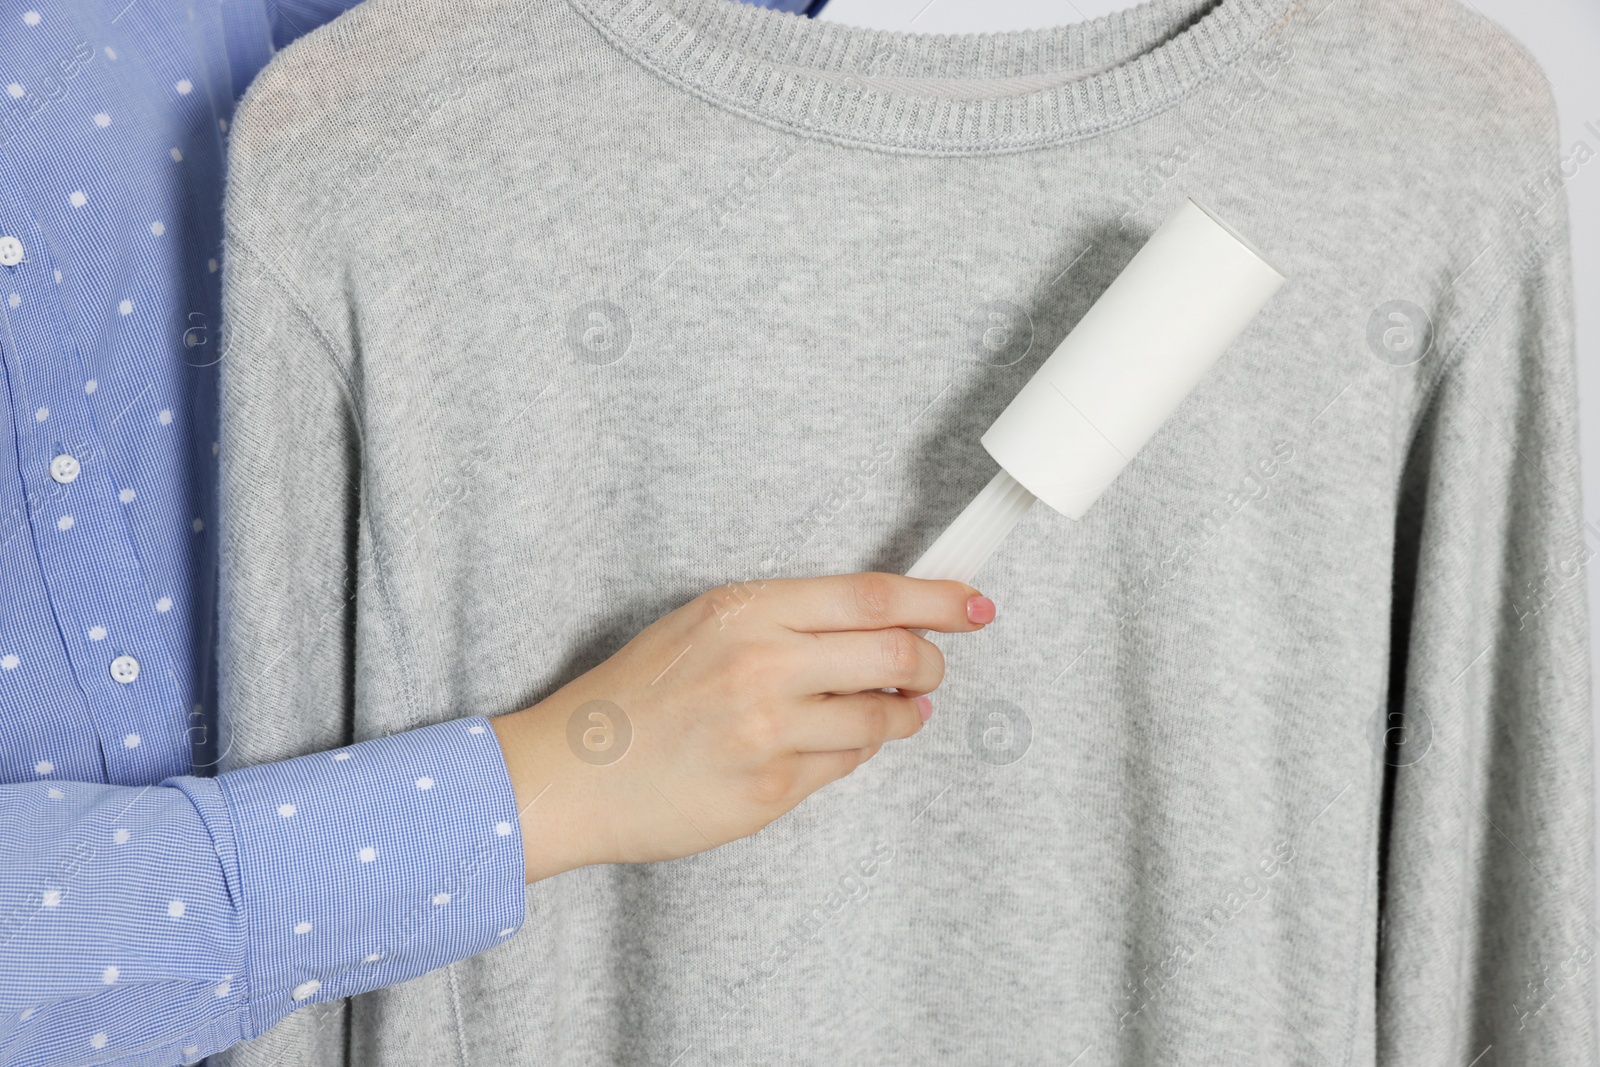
{"x":151,"y":912}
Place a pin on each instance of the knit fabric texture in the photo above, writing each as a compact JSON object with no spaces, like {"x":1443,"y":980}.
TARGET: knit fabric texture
{"x":544,"y":316}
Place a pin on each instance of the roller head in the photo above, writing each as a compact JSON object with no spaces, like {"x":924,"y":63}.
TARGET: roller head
{"x":1130,"y":361}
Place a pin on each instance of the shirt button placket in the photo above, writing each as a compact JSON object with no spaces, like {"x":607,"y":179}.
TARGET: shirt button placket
{"x":91,"y":570}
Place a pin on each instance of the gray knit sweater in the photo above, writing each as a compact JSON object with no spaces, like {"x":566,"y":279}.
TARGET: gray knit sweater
{"x":546,"y":315}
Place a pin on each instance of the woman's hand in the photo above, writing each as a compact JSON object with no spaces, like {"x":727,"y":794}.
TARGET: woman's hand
{"x":725,"y":713}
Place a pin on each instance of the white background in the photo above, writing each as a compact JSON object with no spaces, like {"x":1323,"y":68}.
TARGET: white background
{"x":1564,"y":35}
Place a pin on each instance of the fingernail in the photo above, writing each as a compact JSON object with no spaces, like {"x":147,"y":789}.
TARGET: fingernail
{"x":980,"y":609}
{"x":925,"y":708}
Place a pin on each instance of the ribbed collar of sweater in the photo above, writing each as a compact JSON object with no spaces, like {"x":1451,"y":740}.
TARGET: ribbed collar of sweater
{"x":938,"y":93}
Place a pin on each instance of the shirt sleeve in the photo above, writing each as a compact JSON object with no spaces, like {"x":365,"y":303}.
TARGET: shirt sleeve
{"x":1487,"y":907}
{"x":296,"y":18}
{"x":158,"y":925}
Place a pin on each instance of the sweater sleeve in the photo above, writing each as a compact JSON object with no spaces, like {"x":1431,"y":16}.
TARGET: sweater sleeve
{"x":417,"y":859}
{"x":1486,"y":924}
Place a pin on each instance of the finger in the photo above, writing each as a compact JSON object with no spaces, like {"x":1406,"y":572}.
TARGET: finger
{"x":817,"y":769}
{"x":851,"y":661}
{"x":871,"y":600}
{"x":832,"y":723}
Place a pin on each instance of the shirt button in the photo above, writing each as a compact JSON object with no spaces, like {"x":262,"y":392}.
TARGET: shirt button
{"x":64,"y":468}
{"x":10,"y":251}
{"x":124,"y":669}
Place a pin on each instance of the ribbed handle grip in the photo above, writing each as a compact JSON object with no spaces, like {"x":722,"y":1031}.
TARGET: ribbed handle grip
{"x":968,"y":542}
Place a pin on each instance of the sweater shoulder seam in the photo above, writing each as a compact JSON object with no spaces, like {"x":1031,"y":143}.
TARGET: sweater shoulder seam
{"x":1524,"y":269}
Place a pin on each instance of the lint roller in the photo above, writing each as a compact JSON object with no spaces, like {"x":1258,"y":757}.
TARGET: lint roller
{"x":1111,"y":383}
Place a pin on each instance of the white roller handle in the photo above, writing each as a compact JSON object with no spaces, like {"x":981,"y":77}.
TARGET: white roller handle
{"x":969,"y":541}
{"x":1111,"y":383}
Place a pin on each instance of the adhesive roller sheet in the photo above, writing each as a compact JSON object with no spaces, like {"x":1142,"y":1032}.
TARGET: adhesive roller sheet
{"x":1116,"y":377}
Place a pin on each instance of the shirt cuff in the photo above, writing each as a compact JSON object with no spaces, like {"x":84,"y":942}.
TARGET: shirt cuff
{"x":372,"y":864}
